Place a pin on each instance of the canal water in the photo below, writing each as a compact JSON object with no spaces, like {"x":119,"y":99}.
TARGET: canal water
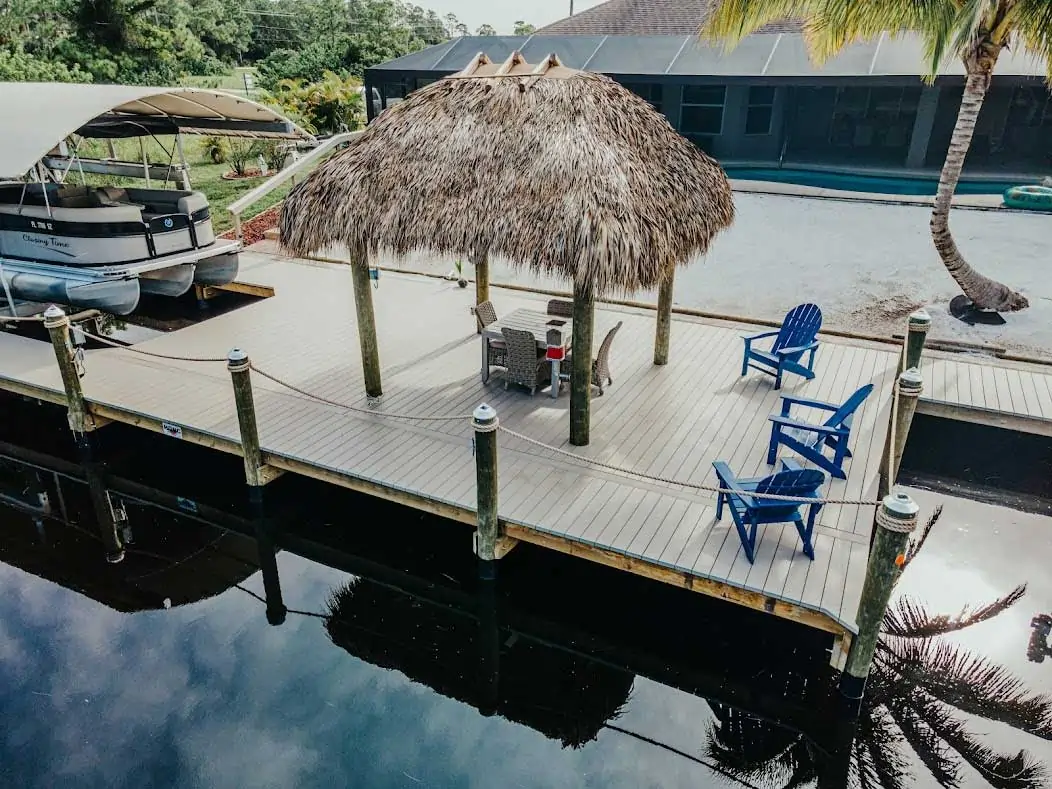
{"x":372,"y":657}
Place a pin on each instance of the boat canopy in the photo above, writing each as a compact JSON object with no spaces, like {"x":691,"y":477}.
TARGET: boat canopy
{"x":37,"y":116}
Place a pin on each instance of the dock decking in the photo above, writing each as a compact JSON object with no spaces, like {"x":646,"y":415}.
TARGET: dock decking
{"x":669,"y":422}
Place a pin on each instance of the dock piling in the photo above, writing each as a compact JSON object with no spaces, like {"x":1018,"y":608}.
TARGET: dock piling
{"x":917,"y":332}
{"x":239,"y":366}
{"x":896,"y":519}
{"x":904,"y":406}
{"x":268,"y":565}
{"x":57,"y":324}
{"x":485,"y":422}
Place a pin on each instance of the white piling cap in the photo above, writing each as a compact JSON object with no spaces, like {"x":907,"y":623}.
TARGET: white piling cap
{"x":901,"y":505}
{"x":484,"y":413}
{"x":236,"y":355}
{"x":53,"y":311}
{"x":912,"y":378}
{"x":920,"y":318}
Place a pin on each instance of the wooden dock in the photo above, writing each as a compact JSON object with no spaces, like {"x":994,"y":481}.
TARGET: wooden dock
{"x":669,"y":422}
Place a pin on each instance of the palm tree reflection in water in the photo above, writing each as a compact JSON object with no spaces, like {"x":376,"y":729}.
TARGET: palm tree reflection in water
{"x":919,"y":686}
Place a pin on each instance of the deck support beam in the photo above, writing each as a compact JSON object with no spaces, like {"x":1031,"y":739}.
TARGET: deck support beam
{"x":487,"y":531}
{"x":363,"y":305}
{"x":664,"y":317}
{"x":896,"y":519}
{"x":481,"y":264}
{"x":581,"y":363}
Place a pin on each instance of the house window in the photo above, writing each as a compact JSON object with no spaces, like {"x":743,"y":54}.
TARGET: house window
{"x":877,"y":118}
{"x":701,"y":117}
{"x":761,"y":110}
{"x":649,"y":91}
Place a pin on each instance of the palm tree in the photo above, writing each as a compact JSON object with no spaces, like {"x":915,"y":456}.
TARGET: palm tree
{"x":918,"y":686}
{"x":976,"y":31}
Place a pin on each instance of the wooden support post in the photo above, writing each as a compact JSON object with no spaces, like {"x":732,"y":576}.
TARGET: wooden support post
{"x":907,"y":391}
{"x":664,"y":317}
{"x":896,"y":518}
{"x":57,"y":324}
{"x":489,"y":649}
{"x":581,"y":372}
{"x":239,"y":366}
{"x":363,"y":305}
{"x":916,"y":333}
{"x":105,"y":521}
{"x":268,"y":565}
{"x":487,"y":533}
{"x":481,"y":264}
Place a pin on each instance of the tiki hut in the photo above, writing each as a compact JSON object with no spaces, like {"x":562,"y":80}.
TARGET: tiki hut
{"x":562,"y":172}
{"x":562,"y":695}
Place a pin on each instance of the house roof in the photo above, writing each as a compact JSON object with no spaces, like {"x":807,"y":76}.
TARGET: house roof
{"x":646,"y":18}
{"x":770,"y":56}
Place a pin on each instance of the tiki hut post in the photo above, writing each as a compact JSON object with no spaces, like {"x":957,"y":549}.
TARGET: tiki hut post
{"x":481,"y":263}
{"x":664,"y":317}
{"x":581,"y":357}
{"x":363,"y":307}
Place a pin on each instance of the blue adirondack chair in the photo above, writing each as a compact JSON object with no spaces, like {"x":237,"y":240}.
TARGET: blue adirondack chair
{"x":810,"y":440}
{"x":791,"y":342}
{"x":749,"y":511}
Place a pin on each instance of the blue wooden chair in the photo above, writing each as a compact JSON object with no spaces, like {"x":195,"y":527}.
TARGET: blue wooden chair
{"x":810,"y":440}
{"x":791,"y":342}
{"x":749,"y":512}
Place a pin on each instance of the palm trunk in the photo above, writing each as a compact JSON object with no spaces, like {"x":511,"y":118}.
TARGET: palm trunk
{"x":983,"y":291}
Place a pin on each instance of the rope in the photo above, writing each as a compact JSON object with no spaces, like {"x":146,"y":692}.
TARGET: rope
{"x":371,"y":411}
{"x":154,"y":354}
{"x":692,"y":485}
{"x":900,"y":525}
{"x":16,"y":319}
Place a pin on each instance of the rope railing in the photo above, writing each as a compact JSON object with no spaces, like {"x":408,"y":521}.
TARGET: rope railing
{"x":581,"y":459}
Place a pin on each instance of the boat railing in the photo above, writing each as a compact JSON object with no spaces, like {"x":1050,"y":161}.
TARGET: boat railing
{"x":305,"y":162}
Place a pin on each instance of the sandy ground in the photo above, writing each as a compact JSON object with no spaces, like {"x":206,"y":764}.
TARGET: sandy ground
{"x":867,"y":265}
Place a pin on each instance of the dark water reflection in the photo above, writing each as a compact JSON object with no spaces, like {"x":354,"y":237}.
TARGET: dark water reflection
{"x":392,"y":668}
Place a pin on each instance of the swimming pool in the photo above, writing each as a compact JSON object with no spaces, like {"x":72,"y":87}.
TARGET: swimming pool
{"x":878,"y":184}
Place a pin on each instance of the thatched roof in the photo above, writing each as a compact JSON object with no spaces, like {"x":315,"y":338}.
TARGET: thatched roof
{"x":562,"y":171}
{"x":563,"y":696}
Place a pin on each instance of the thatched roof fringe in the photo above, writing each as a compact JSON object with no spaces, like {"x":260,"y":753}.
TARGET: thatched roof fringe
{"x":565,"y":173}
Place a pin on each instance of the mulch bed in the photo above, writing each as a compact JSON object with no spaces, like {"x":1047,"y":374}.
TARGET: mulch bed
{"x":252,"y":229}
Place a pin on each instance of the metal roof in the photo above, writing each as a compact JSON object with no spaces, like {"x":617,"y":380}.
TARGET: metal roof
{"x":39,"y":115}
{"x":773,"y":55}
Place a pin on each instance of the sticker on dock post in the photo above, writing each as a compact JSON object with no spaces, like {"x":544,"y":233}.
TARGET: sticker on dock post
{"x":171,"y":430}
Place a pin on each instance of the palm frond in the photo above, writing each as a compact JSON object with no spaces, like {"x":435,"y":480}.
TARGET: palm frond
{"x":908,"y":618}
{"x":1033,"y":25}
{"x":915,"y":545}
{"x":969,"y":682}
{"x":882,"y":739}
{"x":1001,"y":771}
{"x":733,"y":20}
{"x":929,"y":747}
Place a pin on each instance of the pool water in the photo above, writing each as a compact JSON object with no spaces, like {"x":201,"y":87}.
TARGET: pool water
{"x":876,"y":184}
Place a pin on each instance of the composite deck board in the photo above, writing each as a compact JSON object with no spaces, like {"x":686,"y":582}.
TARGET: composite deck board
{"x":667,"y":422}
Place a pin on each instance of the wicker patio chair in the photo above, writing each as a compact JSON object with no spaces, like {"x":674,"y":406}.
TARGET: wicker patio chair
{"x":560,"y":307}
{"x":601,"y":363}
{"x":525,"y":367}
{"x":485,"y":314}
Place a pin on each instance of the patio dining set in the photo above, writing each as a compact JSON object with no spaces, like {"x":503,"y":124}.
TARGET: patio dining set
{"x":532,"y":346}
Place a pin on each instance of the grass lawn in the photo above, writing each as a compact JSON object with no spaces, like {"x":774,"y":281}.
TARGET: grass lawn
{"x":205,"y":175}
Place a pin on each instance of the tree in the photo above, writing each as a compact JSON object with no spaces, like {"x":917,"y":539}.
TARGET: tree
{"x":524,"y":28}
{"x":486,"y":30}
{"x":976,"y":31}
{"x":919,"y":691}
